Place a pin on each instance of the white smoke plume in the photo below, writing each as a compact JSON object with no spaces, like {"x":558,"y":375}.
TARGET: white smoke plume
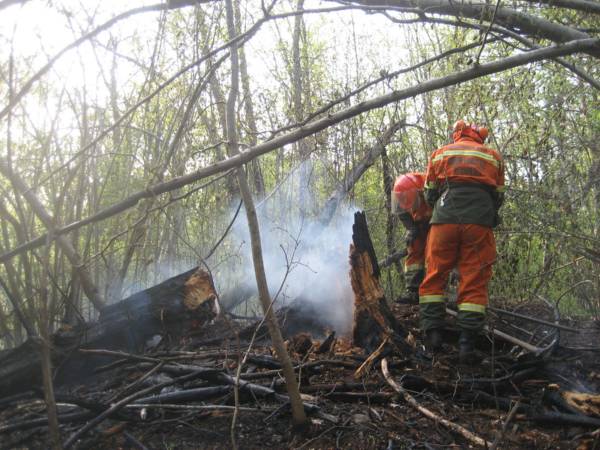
{"x":304,"y":260}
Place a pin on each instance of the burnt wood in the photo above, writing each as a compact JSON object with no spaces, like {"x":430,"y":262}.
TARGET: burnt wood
{"x":373,"y":319}
{"x":172,"y":307}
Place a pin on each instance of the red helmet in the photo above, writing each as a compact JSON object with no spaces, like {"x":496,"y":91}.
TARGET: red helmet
{"x":407,"y":193}
{"x":462,"y":128}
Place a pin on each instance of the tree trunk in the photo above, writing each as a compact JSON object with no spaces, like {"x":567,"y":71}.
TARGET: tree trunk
{"x":298,"y":414}
{"x":45,"y":325}
{"x":374,"y":323}
{"x":252,"y":133}
{"x":388,"y":184}
{"x":298,"y":91}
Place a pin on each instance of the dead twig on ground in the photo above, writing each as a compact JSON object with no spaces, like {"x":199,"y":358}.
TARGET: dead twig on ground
{"x":502,"y":430}
{"x":507,"y":337}
{"x":534,"y":319}
{"x":119,"y":405}
{"x":471,"y":437}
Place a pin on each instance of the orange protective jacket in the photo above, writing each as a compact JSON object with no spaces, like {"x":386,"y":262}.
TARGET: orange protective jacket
{"x":472,"y":175}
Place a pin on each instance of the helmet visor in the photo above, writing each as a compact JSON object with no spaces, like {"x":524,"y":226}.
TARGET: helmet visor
{"x":405,"y":201}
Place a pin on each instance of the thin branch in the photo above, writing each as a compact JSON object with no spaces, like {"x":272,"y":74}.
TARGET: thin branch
{"x":471,"y":437}
{"x":384,"y":77}
{"x":119,"y":405}
{"x":592,"y":7}
{"x":17,"y":309}
{"x":516,"y":36}
{"x":487,"y":32}
{"x":212,"y":250}
{"x":105,"y":26}
{"x":502,"y":430}
{"x":314,"y":127}
{"x":510,"y":18}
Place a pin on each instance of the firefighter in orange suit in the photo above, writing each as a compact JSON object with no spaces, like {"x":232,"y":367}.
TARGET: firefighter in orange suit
{"x":464,"y":185}
{"x":409,"y":205}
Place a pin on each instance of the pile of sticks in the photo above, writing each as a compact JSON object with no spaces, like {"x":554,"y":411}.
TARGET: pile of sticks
{"x":376,"y":388}
{"x":134,"y":396}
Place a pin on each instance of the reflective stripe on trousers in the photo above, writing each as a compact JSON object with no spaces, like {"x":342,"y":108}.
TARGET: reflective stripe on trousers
{"x":469,"y":247}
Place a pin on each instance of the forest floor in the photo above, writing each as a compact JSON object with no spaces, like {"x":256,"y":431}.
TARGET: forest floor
{"x":365,"y":413}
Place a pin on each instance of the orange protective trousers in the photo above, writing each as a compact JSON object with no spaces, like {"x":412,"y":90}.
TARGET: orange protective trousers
{"x":415,"y":254}
{"x":414,"y":264}
{"x":469,"y":247}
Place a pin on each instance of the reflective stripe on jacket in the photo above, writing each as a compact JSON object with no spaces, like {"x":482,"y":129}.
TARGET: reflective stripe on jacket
{"x":465,"y":183}
{"x":465,"y":161}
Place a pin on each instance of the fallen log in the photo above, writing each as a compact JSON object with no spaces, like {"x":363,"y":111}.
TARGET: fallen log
{"x":78,"y":416}
{"x":173,"y":307}
{"x":187,"y":395}
{"x":120,"y":405}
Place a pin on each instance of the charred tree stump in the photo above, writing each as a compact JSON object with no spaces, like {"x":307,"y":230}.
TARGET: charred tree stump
{"x":173,"y":307}
{"x":374,"y":324}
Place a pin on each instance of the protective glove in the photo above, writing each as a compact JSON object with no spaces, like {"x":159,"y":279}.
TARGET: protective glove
{"x":411,"y":236}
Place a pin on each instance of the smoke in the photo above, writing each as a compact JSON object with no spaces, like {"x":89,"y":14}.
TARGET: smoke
{"x":306,"y":262}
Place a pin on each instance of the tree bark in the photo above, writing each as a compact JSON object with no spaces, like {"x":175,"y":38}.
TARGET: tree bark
{"x":591,"y":7}
{"x":252,"y":133}
{"x":512,"y":19}
{"x":298,"y":414}
{"x":374,"y":324}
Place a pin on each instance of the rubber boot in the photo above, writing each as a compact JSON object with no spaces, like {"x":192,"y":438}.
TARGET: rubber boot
{"x":466,"y":348}
{"x":435,"y":338}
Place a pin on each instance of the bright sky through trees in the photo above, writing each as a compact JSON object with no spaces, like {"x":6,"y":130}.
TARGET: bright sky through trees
{"x":358,"y":45}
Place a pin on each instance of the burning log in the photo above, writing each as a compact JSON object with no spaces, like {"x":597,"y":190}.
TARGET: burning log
{"x":172,"y":307}
{"x":572,"y":402}
{"x":374,"y":323}
{"x":588,"y":404}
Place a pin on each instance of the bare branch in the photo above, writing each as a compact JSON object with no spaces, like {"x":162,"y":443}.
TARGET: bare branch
{"x":487,"y":32}
{"x":106,"y":25}
{"x":471,"y":437}
{"x":315,"y":126}
{"x":523,"y":40}
{"x":592,"y":7}
{"x":509,"y":18}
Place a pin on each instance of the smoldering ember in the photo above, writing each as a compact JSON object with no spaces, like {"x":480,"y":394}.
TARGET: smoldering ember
{"x":299,"y":224}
